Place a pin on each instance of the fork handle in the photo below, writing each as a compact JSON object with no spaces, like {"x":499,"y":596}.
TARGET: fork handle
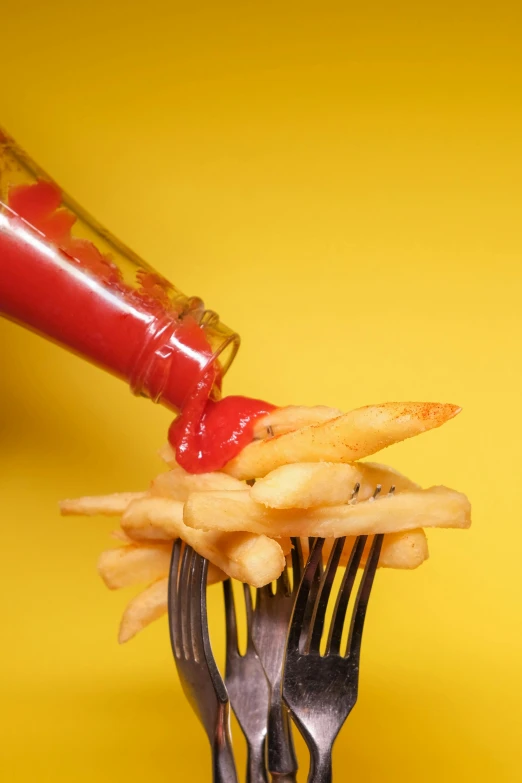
{"x":282,"y":762}
{"x":223,"y":764}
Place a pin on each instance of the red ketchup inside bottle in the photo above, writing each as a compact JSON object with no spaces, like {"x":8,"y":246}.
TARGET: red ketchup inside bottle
{"x":65,"y":288}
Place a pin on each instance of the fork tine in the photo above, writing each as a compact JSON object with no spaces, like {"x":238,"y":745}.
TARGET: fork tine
{"x":249,"y":616}
{"x":311,"y":541}
{"x":248,"y":605}
{"x":377,"y":492}
{"x":363,"y":596}
{"x":297,"y":561}
{"x":305,"y":597}
{"x":184,"y":593}
{"x":314,"y":589}
{"x":195,"y":606}
{"x":200,"y":598}
{"x":181,"y":607}
{"x":196,"y":603}
{"x":317,"y":621}
{"x":173,"y":598}
{"x":355,"y":494}
{"x":263,"y":594}
{"x":283,"y":583}
{"x":232,"y":643}
{"x":333,"y":645}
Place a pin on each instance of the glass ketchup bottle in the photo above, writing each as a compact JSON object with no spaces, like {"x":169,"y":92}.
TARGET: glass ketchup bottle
{"x":66,"y":277}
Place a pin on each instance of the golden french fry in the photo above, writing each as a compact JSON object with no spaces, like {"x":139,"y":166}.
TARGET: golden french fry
{"x":134,"y":564}
{"x":146,"y":607}
{"x":214,"y":573}
{"x":345,"y":439}
{"x":291,"y":418}
{"x":153,"y":519}
{"x":106,"y":505}
{"x":168,"y":455}
{"x":404,"y":550}
{"x":229,"y":511}
{"x":178,"y":484}
{"x":256,"y":560}
{"x":309,"y":484}
{"x":119,"y":535}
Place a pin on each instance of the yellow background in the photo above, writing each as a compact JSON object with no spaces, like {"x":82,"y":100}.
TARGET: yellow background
{"x":343,"y":184}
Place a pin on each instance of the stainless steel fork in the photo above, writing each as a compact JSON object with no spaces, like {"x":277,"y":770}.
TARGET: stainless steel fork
{"x":200,"y":678}
{"x":269,"y":630}
{"x":247,"y":686}
{"x":321,"y":690}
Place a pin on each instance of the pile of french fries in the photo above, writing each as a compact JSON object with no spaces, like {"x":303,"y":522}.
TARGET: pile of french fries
{"x":301,"y":476}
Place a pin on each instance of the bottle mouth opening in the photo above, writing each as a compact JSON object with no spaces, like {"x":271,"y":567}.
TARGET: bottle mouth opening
{"x":227,"y":351}
{"x":223,"y":357}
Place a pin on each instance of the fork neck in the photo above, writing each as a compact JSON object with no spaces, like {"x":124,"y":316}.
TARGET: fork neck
{"x":256,"y":767}
{"x":223,"y":764}
{"x":320,"y":765}
{"x":281,"y":754}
